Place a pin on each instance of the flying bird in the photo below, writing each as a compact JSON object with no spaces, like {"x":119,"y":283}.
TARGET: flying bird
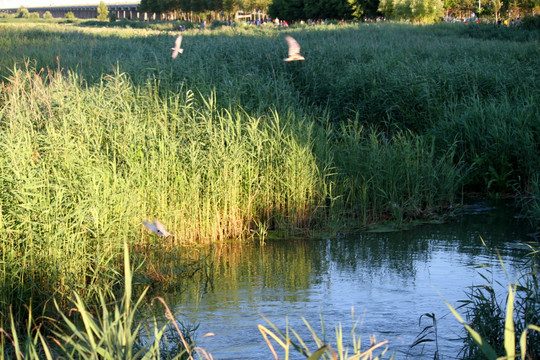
{"x":158,"y":228}
{"x":176,"y":49}
{"x":294,"y":50}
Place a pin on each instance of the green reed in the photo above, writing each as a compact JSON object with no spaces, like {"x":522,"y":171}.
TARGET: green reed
{"x":100,"y":129}
{"x":531,"y":202}
{"x":108,"y":331}
{"x":504,"y":157}
{"x":511,"y":326}
{"x":83,"y":166}
{"x":327,"y":346}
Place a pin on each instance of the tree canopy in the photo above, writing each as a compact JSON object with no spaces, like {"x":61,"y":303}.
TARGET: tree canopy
{"x":291,"y":10}
{"x":103,"y":11}
{"x":283,"y":9}
{"x":228,"y":6}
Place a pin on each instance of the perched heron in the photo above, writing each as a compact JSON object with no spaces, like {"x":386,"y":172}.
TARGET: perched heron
{"x":176,"y":49}
{"x":294,"y":50}
{"x":158,"y":228}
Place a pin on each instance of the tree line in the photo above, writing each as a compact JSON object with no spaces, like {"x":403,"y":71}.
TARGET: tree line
{"x":292,"y":10}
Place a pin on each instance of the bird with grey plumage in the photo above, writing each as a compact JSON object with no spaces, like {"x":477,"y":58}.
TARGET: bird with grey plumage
{"x":157,"y":228}
{"x":176,"y":49}
{"x":294,"y":50}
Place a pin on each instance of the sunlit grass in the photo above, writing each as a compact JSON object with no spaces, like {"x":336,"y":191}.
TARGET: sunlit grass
{"x":112,"y":330}
{"x":325,"y":345}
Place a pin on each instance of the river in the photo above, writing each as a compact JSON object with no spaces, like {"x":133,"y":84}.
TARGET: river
{"x":388,"y":279}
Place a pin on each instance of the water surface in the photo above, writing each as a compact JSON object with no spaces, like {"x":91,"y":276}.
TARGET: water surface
{"x":389,"y":279}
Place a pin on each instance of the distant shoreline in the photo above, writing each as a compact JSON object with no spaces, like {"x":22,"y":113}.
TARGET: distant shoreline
{"x":9,"y":5}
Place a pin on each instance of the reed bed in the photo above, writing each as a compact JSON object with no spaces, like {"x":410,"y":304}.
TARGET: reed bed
{"x":101,"y":129}
{"x":503,"y":324}
{"x":91,"y":166}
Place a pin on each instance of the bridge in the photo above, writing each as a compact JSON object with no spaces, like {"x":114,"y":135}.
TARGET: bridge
{"x":121,"y":11}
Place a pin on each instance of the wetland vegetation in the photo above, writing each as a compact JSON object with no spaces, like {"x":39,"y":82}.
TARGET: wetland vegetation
{"x":100,"y":129}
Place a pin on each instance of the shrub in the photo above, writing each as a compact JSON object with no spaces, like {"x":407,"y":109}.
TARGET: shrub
{"x":70,"y":15}
{"x":47,"y":15}
{"x":217,"y":23}
{"x":22,"y":12}
{"x":531,"y":22}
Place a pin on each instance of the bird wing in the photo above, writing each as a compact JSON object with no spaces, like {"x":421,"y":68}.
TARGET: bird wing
{"x":161,"y":229}
{"x":151,"y":227}
{"x":178,"y":42}
{"x":294,"y":47}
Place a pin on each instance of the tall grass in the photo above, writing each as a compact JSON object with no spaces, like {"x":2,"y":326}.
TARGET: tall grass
{"x":100,"y":129}
{"x":496,"y":327}
{"x":110,"y":331}
{"x":401,"y":177}
{"x":326,"y":345}
{"x":83,"y":166}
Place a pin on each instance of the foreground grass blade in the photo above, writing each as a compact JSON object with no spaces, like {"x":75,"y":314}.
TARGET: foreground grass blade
{"x":285,"y":345}
{"x":485,"y":347}
{"x":317,"y":354}
{"x":523,"y":339}
{"x":509,"y":332}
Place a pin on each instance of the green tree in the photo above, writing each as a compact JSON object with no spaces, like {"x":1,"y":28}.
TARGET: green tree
{"x":365,"y":8}
{"x":229,"y":6}
{"x":424,"y":11}
{"x":427,"y":11}
{"x":529,"y":6}
{"x":47,"y":15}
{"x":288,"y":10}
{"x":151,"y":6}
{"x":250,"y":5}
{"x":22,"y":12}
{"x":403,"y":9}
{"x":386,"y":7}
{"x":103,"y":11}
{"x":70,"y":15}
{"x":331,"y":9}
{"x":467,"y":5}
{"x":497,"y":5}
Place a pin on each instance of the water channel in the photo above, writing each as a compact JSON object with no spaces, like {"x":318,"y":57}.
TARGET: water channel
{"x":389,"y":279}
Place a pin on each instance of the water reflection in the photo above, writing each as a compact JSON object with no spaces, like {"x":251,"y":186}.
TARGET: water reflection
{"x":390,"y":279}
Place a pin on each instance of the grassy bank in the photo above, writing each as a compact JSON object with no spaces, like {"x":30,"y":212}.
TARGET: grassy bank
{"x":100,"y":129}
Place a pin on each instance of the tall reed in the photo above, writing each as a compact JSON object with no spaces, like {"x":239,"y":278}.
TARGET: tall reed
{"x":494,"y":327}
{"x":100,"y":129}
{"x":106,"y":332}
{"x":83,"y":166}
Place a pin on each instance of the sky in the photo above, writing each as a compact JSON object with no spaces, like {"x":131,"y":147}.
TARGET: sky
{"x":6,"y":4}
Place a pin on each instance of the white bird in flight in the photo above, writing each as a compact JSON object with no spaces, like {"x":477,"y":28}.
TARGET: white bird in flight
{"x":176,"y":49}
{"x":294,"y":50}
{"x":158,"y":228}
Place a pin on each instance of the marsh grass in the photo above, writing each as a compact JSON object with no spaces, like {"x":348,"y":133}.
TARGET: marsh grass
{"x":428,"y":334}
{"x":509,"y":328}
{"x":89,"y":164}
{"x":109,"y":331}
{"x":326,"y":346}
{"x":380,"y":174}
{"x":100,"y":129}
